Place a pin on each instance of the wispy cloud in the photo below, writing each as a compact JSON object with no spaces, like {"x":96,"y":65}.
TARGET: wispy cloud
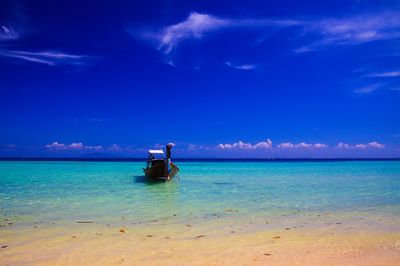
{"x":243,"y":145}
{"x":352,"y":30}
{"x":198,"y":25}
{"x":50,"y":58}
{"x":241,"y":67}
{"x":288,"y":145}
{"x":195,"y":147}
{"x":8,"y":33}
{"x":95,"y":119}
{"x":384,"y":74}
{"x":373,"y":144}
{"x":115,"y":148}
{"x":367,"y":89}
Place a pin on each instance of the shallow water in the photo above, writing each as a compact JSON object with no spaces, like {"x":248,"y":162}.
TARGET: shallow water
{"x":104,"y":191}
{"x":212,"y":199}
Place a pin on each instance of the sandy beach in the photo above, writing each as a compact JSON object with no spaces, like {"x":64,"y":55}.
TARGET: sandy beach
{"x":225,"y":243}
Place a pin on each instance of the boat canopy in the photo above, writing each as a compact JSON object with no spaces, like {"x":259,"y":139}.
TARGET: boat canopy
{"x":156,"y":151}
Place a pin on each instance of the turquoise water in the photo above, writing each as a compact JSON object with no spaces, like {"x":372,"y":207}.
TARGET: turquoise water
{"x":110,"y":192}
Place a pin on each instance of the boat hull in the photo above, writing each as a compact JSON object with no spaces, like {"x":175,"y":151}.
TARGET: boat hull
{"x":157,"y":171}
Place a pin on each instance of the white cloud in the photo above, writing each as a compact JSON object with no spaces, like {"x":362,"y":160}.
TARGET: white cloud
{"x":73,"y":146}
{"x":55,"y":145}
{"x":373,"y":144}
{"x":247,"y":146}
{"x":368,"y":89}
{"x":50,"y":58}
{"x":241,"y":67}
{"x":263,"y":144}
{"x":360,"y":146}
{"x":376,"y":145}
{"x":320,"y":146}
{"x":342,"y":145}
{"x":194,"y":27}
{"x":288,"y":145}
{"x":240,"y":145}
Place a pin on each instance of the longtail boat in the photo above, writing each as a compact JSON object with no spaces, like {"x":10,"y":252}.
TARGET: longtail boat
{"x":159,"y":167}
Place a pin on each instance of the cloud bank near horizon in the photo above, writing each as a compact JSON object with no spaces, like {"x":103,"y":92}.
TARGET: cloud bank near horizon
{"x":236,"y":149}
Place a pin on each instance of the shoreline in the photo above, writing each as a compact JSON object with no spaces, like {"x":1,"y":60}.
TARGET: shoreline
{"x":217,"y":214}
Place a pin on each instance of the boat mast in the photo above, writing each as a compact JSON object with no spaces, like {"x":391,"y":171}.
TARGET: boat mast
{"x":167,"y":159}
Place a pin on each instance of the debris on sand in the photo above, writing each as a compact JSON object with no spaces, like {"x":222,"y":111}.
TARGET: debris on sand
{"x":85,"y":222}
{"x":122,"y":231}
{"x":200,"y":236}
{"x":276,"y":237}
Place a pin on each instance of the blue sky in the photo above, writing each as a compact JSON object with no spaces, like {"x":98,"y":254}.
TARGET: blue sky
{"x":218,"y":79}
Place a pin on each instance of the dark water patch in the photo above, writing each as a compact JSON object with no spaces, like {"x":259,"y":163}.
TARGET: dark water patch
{"x":369,"y":210}
{"x":141,"y":179}
{"x":224,"y":183}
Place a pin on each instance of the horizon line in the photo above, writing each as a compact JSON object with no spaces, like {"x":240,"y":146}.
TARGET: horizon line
{"x":127,"y":159}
